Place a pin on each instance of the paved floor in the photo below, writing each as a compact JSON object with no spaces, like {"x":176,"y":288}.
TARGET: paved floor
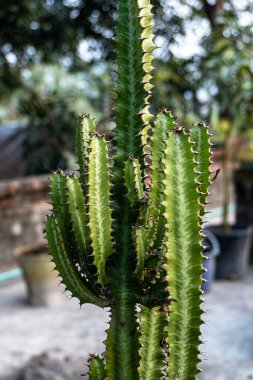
{"x":69,"y":331}
{"x":228,"y":333}
{"x":65,"y":331}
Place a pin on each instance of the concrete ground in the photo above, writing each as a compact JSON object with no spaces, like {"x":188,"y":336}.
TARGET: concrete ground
{"x":69,"y":331}
{"x":228,"y":333}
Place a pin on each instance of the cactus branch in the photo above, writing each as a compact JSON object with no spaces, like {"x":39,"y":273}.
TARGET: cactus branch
{"x":74,"y":282}
{"x":134,"y":41}
{"x":85,"y":126}
{"x":122,"y":341}
{"x":135,"y":244}
{"x":61,"y":210}
{"x":97,"y":368}
{"x":164,"y":123}
{"x":78,"y":212}
{"x":141,"y":249}
{"x":152,"y":328}
{"x":100,"y":220}
{"x":201,"y":138}
{"x":133,"y":181}
{"x":183,"y":256}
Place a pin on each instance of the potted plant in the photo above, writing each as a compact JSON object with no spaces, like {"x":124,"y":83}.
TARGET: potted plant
{"x":235,"y":239}
{"x":126,"y":234}
{"x":244,"y":183}
{"x":229,"y":72}
{"x":41,"y":279}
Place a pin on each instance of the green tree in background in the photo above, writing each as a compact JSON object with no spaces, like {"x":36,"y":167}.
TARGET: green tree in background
{"x":188,"y":80}
{"x":213,"y":74}
{"x":51,"y":102}
{"x":50,"y":31}
{"x":227,"y":76}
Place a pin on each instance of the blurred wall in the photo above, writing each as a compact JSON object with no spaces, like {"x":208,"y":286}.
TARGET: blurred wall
{"x":23,"y":206}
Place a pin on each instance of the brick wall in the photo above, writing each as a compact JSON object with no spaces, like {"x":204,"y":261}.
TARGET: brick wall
{"x":23,"y":206}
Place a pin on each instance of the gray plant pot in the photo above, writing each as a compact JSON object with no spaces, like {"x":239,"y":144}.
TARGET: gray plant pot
{"x":41,"y":279}
{"x":233,"y":262}
{"x":244,"y":195}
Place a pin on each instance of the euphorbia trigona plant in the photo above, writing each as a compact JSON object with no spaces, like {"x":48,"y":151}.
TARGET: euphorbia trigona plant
{"x":126,"y":234}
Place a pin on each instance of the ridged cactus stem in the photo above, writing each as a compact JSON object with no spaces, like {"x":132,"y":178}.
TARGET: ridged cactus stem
{"x":183,"y":256}
{"x":135,"y":247}
{"x":134,"y":47}
{"x":153,"y":341}
{"x":97,"y":368}
{"x":122,"y":341}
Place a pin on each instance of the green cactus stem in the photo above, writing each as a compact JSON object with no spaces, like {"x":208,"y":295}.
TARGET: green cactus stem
{"x":153,"y":342}
{"x":71,"y":277}
{"x":100,"y":220}
{"x":202,"y":146}
{"x":131,"y":245}
{"x":85,"y":126}
{"x":96,"y":368}
{"x":131,"y":106}
{"x":163,"y":124}
{"x":183,"y":255}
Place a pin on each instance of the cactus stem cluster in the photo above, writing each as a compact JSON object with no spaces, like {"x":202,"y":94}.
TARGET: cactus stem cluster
{"x":126,"y":233}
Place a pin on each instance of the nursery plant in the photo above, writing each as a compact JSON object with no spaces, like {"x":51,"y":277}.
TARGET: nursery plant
{"x":126,"y":233}
{"x":234,"y":238}
{"x":228,"y":68}
{"x":230,"y":126}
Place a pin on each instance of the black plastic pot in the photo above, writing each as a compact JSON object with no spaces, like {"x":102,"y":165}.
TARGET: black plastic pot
{"x":211,"y":252}
{"x":233,"y":262}
{"x":244,"y":195}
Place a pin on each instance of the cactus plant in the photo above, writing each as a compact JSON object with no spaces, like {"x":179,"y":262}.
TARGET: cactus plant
{"x":126,"y":233}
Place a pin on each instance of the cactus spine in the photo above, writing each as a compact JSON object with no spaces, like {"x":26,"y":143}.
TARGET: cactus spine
{"x":120,"y":241}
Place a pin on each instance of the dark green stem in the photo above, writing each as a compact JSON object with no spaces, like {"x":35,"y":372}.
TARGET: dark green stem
{"x":122,"y":344}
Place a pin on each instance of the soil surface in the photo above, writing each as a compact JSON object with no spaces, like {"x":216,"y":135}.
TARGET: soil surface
{"x":55,"y":342}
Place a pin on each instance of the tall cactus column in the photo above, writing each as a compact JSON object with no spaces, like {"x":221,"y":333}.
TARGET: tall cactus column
{"x":131,"y":245}
{"x":183,"y":256}
{"x":132,"y":96}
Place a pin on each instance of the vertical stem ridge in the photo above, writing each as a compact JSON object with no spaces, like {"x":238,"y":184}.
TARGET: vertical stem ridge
{"x":122,"y":343}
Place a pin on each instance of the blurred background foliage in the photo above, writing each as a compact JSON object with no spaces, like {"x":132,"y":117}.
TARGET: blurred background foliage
{"x":56,"y":61}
